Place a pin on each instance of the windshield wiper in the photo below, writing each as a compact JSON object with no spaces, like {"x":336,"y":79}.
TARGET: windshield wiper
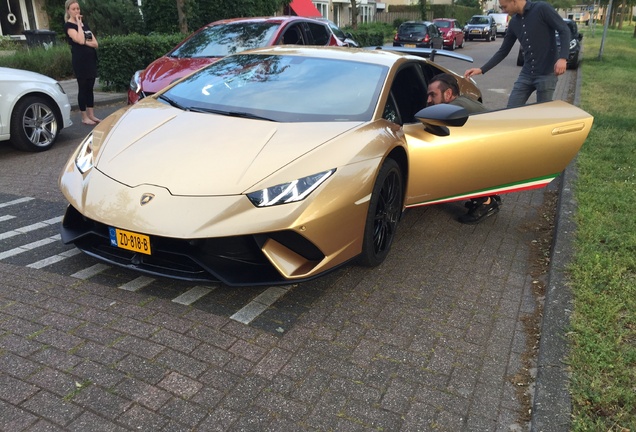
{"x":232,"y":113}
{"x":173,"y":103}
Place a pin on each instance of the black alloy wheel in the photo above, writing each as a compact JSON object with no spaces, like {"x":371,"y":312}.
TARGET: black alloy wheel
{"x":385,"y":210}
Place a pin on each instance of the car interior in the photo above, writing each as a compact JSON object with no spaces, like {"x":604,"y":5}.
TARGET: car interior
{"x":293,"y":36}
{"x":408,"y":95}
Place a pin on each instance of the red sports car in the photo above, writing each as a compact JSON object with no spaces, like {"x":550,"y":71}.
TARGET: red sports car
{"x":221,"y":38}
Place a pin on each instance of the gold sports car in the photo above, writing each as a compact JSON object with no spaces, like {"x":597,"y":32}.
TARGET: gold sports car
{"x":279,"y":164}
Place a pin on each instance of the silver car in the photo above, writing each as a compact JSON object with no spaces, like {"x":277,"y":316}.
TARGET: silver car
{"x":33,"y":109}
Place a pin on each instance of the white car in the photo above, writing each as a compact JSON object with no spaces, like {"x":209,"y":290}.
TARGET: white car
{"x":33,"y":109}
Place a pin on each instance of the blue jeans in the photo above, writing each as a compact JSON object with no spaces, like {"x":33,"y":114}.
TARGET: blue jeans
{"x":526,"y":84}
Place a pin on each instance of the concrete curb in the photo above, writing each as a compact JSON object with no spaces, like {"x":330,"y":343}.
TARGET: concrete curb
{"x":552,"y":406}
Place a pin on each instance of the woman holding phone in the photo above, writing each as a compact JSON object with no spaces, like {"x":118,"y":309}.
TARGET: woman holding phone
{"x":84,"y":57}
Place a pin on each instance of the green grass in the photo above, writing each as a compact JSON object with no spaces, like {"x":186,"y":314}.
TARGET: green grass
{"x":603,"y":274}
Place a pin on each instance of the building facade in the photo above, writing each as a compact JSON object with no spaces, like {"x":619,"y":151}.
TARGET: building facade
{"x":18,"y":16}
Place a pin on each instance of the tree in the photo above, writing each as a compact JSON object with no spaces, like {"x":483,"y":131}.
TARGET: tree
{"x":181,"y":16}
{"x":354,"y":14}
{"x":422,"y":4}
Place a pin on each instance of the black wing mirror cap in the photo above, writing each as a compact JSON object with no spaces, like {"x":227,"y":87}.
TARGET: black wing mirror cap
{"x":437,"y":118}
{"x":443,"y":115}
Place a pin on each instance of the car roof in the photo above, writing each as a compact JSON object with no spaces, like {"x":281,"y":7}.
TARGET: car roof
{"x":417,"y":22}
{"x":445,"y":19}
{"x":281,"y":18}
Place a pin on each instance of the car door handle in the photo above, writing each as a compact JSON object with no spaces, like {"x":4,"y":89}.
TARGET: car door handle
{"x":568,"y":129}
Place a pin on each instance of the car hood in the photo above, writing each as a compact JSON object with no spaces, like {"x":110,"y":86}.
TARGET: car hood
{"x":165,"y":70}
{"x":201,"y":154}
{"x":19,"y":75}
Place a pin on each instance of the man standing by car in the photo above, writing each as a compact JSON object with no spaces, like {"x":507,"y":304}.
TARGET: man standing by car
{"x":534,"y":25}
{"x":443,"y":88}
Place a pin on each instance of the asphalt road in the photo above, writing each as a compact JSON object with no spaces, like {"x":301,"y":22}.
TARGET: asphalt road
{"x":431,"y":339}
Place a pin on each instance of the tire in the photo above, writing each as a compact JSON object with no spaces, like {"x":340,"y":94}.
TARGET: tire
{"x":34,"y":124}
{"x":461,"y":45}
{"x":385,"y":210}
{"x":453,"y":46}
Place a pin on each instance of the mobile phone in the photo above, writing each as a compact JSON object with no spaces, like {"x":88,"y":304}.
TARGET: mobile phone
{"x":88,"y":35}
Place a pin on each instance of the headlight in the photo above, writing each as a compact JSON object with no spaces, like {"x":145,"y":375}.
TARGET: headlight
{"x":293,"y":191}
{"x":84,"y":158}
{"x":135,"y":82}
{"x":573,"y":44}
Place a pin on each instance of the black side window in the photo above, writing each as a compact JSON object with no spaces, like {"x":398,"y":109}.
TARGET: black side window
{"x":320,"y":33}
{"x":293,"y":36}
{"x":410,"y":92}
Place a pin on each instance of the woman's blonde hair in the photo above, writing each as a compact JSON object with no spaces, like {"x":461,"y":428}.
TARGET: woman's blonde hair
{"x":67,"y":5}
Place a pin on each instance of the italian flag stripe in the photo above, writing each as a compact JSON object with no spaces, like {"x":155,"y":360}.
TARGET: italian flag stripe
{"x":512,"y":187}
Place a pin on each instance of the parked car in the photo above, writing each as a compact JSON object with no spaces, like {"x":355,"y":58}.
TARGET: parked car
{"x":501,"y":19}
{"x":418,"y":34}
{"x":279,"y":164}
{"x":451,"y":31}
{"x":481,"y":27}
{"x":220,"y":38}
{"x":33,"y":109}
{"x":574,"y":56}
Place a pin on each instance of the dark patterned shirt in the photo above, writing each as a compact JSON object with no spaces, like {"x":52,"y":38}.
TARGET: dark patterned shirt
{"x":535,"y":31}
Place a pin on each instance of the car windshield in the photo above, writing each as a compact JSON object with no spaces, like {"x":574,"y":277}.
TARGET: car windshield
{"x":478,"y":20}
{"x":225,"y":39}
{"x":336,"y":30}
{"x":412,"y":28}
{"x":282,"y":88}
{"x":443,"y":24}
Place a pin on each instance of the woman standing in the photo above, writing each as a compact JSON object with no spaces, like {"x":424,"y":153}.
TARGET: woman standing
{"x":84,"y":56}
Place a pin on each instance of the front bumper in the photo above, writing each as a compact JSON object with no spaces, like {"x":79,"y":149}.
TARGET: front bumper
{"x":237,"y":260}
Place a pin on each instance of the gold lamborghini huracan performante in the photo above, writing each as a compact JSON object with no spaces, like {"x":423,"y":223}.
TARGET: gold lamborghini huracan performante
{"x":279,"y":164}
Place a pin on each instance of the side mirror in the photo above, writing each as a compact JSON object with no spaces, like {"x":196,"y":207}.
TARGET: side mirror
{"x":437,"y":118}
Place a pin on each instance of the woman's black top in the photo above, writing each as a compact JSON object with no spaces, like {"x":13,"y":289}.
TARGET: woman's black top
{"x":84,"y":58}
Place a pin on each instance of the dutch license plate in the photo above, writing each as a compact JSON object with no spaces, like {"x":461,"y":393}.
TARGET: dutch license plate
{"x":409,"y":45}
{"x":475,"y":31}
{"x":129,"y":240}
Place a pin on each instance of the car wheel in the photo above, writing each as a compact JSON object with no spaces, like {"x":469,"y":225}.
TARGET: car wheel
{"x":461,"y":45}
{"x":34,"y":124}
{"x":385,"y":209}
{"x":453,"y":46}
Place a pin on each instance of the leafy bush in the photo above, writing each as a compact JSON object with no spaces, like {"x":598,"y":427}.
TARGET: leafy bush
{"x":370,"y":34}
{"x":113,"y":17}
{"x":54,"y":62}
{"x":121,"y":56}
